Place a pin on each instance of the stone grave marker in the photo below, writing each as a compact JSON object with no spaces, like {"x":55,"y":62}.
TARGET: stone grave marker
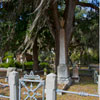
{"x":76,"y":74}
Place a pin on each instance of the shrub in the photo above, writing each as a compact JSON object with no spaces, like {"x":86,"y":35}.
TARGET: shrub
{"x":6,"y":65}
{"x":18,"y":65}
{"x":44,"y":65}
{"x":29,"y":64}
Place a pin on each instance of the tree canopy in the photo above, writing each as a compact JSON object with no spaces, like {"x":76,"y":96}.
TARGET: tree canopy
{"x":22,"y":20}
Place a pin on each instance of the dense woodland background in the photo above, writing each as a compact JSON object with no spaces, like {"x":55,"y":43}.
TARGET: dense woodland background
{"x":31,"y":28}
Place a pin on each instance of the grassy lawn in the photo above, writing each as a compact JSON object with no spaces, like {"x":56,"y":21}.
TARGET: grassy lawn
{"x":86,"y":85}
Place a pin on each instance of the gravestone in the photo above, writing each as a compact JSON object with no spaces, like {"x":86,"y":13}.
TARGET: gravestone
{"x":62,"y":69}
{"x":75,"y":76}
{"x":7,"y":60}
{"x":96,"y":73}
{"x":0,"y":60}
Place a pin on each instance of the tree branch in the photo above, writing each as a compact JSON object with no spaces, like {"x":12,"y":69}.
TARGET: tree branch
{"x":66,"y":9}
{"x":88,"y":5}
{"x":69,"y":17}
{"x":55,"y":16}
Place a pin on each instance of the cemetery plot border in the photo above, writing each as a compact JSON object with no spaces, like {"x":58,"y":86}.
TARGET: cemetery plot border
{"x":77,"y":93}
{"x":41,"y":83}
{"x":51,"y":89}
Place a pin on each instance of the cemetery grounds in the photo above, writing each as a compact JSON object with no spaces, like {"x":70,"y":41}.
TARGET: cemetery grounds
{"x":86,"y":85}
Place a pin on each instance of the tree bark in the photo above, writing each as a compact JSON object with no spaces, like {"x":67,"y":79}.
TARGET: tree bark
{"x":35,"y":56}
{"x":69,"y":17}
{"x":56,"y":27}
{"x":63,"y":30}
{"x":56,"y":52}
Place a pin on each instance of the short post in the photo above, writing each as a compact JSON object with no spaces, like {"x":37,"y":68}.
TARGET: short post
{"x":51,"y":87}
{"x":13,"y":83}
{"x":99,"y":86}
{"x":9,"y":70}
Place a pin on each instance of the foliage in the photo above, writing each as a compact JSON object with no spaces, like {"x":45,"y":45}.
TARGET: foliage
{"x":13,"y":63}
{"x":47,"y":56}
{"x":85,"y":37}
{"x":18,"y":65}
{"x":28,"y":63}
{"x":44,"y":65}
{"x":45,"y":69}
{"x":16,"y":20}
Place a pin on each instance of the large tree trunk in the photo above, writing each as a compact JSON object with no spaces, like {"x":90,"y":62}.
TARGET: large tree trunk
{"x":35,"y":56}
{"x":57,"y":53}
{"x":62,"y":38}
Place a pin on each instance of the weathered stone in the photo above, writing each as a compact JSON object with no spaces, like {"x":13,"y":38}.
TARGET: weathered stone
{"x":75,"y":76}
{"x":63,"y":76}
{"x":9,"y":70}
{"x":95,"y":76}
{"x":62,"y":69}
{"x":51,"y":87}
{"x":99,"y":85}
{"x":13,"y":83}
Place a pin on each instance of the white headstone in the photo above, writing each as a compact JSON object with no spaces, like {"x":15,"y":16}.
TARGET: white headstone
{"x":7,"y":60}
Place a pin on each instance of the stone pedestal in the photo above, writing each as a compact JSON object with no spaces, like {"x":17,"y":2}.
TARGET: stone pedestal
{"x":63,"y":75}
{"x":75,"y":76}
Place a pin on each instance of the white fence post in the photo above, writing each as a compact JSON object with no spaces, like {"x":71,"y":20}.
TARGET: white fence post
{"x":99,"y":86}
{"x":51,"y":87}
{"x":13,"y":83}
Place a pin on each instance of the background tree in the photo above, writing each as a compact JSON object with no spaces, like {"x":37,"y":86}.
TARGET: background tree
{"x":59,"y":16}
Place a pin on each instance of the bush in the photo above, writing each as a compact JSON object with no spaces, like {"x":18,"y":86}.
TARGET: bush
{"x":29,"y":64}
{"x":9,"y":56}
{"x":6,"y":65}
{"x":18,"y":65}
{"x":44,"y":65}
{"x":11,"y":62}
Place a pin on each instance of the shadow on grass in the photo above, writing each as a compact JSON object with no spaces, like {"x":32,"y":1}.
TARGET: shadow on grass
{"x":85,"y":80}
